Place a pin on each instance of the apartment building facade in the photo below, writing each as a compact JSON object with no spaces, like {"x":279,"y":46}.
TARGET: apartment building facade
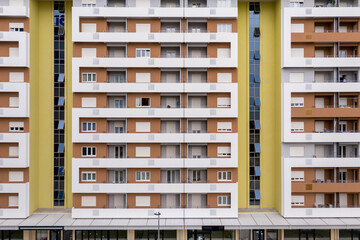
{"x":179,"y":119}
{"x":320,"y":84}
{"x":14,"y":110}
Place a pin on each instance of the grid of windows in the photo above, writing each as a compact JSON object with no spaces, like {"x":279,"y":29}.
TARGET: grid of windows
{"x":254,"y":108}
{"x":101,"y":234}
{"x":59,"y":103}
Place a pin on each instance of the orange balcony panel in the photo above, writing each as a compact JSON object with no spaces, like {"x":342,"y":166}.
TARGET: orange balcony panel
{"x":326,"y":37}
{"x":300,"y":187}
{"x":325,"y":112}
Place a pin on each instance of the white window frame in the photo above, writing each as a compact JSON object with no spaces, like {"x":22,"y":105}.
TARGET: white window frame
{"x":16,"y":27}
{"x":88,"y":102}
{"x":224,"y":77}
{"x":88,"y":26}
{"x":139,"y":102}
{"x":88,"y":3}
{"x":88,"y":77}
{"x":296,"y":77}
{"x":142,"y":176}
{"x":88,"y":176}
{"x":224,"y":176}
{"x":223,"y":102}
{"x":297,"y":176}
{"x":16,"y":176}
{"x":13,"y":151}
{"x":297,"y":200}
{"x":90,"y":201}
{"x":142,"y":201}
{"x":16,"y":126}
{"x":145,"y":151}
{"x":296,"y":151}
{"x":222,"y":153}
{"x":143,"y":53}
{"x":13,"y":201}
{"x":297,"y":129}
{"x":224,"y":27}
{"x":16,"y":77}
{"x":87,"y":151}
{"x":143,"y":77}
{"x":297,"y":102}
{"x":297,"y":28}
{"x":224,"y":200}
{"x":224,"y":126}
{"x":14,"y":102}
{"x":223,"y":3}
{"x":143,"y":127}
{"x":89,"y":127}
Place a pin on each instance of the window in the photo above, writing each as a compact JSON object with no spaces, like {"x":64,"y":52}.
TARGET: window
{"x":88,"y":77}
{"x":13,"y":151}
{"x":88,"y":201}
{"x":16,"y":176}
{"x":142,"y":53}
{"x":89,"y":102}
{"x":256,"y":32}
{"x":223,"y":27}
{"x":297,"y":102}
{"x":223,"y":3}
{"x":224,"y":200}
{"x":13,"y":102}
{"x":297,"y":52}
{"x":88,"y":176}
{"x":13,"y":52}
{"x":224,"y":126}
{"x":16,"y":126}
{"x":16,"y":27}
{"x":223,"y":102}
{"x":88,"y":27}
{"x":297,"y":151}
{"x":16,"y":77}
{"x":223,"y":151}
{"x":88,"y":52}
{"x":89,"y":126}
{"x":295,"y":3}
{"x":223,"y":53}
{"x":224,"y":77}
{"x":295,"y":77}
{"x":297,"y":176}
{"x":196,"y":175}
{"x":297,"y":126}
{"x":142,"y":176}
{"x":16,"y":3}
{"x":13,"y":201}
{"x":143,"y":77}
{"x":142,"y":102}
{"x":142,"y":126}
{"x":143,"y":27}
{"x":224,"y":176}
{"x":297,"y":28}
{"x":142,"y":151}
{"x":297,"y":200}
{"x":88,"y":151}
{"x":88,"y":3}
{"x":142,"y":201}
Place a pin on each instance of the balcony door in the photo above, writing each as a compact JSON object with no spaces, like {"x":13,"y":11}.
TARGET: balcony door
{"x":342,"y":151}
{"x":342,"y":126}
{"x":119,"y":102}
{"x":342,"y":175}
{"x":119,"y":151}
{"x":319,"y":102}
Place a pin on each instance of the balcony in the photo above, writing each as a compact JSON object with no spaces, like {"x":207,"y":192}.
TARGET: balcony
{"x":345,"y":76}
{"x":338,"y":3}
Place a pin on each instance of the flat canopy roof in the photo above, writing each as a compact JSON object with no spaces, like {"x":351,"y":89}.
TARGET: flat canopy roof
{"x":248,"y":220}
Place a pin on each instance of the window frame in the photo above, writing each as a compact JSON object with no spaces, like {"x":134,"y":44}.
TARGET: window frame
{"x":87,"y":124}
{"x":142,"y":176}
{"x":16,"y":128}
{"x":143,"y":50}
{"x":223,"y":176}
{"x":88,"y":174}
{"x":224,"y":200}
{"x":93,"y":77}
{"x":224,"y":28}
{"x":140,"y":99}
{"x":92,"y":148}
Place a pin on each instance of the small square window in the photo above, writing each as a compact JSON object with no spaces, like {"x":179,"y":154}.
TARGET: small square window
{"x":257,"y":55}
{"x":257,"y":147}
{"x":257,"y":124}
{"x":61,"y":124}
{"x":257,"y":195}
{"x":61,"y":148}
{"x":257,"y":171}
{"x":61,"y":77}
{"x":257,"y":78}
{"x":61,"y":101}
{"x":257,"y":32}
{"x":257,"y":102}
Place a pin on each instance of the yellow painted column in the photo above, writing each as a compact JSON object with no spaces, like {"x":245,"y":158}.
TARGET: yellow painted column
{"x":243,"y":106}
